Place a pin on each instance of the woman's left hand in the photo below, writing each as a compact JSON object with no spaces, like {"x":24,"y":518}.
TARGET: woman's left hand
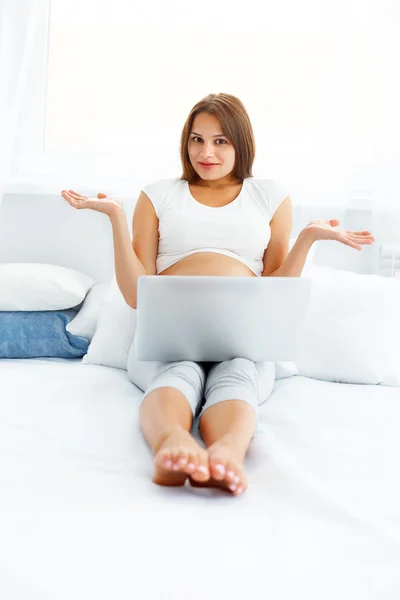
{"x":329,"y":230}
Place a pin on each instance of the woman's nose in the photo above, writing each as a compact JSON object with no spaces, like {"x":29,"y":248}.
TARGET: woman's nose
{"x":207,"y":150}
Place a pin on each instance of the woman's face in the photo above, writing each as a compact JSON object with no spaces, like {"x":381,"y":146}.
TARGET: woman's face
{"x":207,"y":145}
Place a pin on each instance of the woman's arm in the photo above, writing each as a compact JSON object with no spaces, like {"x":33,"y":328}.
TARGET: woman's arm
{"x":315,"y":231}
{"x":128,"y":267}
{"x":294,"y":263}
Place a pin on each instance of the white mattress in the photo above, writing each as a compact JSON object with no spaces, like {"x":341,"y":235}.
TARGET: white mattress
{"x":81,"y":518}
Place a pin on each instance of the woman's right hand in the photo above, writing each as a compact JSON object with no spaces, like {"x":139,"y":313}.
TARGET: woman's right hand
{"x":103,"y":203}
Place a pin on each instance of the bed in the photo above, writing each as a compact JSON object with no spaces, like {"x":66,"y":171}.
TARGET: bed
{"x":81,"y":518}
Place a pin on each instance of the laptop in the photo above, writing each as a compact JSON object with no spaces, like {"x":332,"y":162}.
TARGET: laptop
{"x":218,"y":318}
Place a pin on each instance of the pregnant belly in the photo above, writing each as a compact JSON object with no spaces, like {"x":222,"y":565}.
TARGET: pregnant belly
{"x":209,"y":263}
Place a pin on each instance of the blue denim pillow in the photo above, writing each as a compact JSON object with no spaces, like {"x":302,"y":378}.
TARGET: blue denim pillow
{"x":26,"y":334}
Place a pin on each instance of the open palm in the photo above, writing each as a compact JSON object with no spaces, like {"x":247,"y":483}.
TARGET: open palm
{"x":103,"y":203}
{"x":329,"y":230}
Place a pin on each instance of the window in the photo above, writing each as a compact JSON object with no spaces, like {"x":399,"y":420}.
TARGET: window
{"x":115,"y":81}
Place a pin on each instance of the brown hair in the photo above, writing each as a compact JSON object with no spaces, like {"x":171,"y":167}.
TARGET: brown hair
{"x":236,"y":126}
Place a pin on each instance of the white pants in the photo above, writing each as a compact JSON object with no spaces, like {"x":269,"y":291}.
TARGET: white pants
{"x":206,"y":383}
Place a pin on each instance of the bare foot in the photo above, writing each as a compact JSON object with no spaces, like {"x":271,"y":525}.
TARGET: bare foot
{"x":178,"y":457}
{"x":226,"y":467}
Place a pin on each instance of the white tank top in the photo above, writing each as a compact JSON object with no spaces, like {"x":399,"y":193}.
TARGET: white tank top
{"x":240,"y":229}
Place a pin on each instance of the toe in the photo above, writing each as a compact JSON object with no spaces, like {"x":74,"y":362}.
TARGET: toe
{"x":231,"y":474}
{"x":165,"y":459}
{"x":235,"y":479}
{"x":191,"y":464}
{"x":175,"y":454}
{"x":182,"y":459}
{"x":217,"y":468}
{"x":239,"y":490}
{"x":202,"y":472}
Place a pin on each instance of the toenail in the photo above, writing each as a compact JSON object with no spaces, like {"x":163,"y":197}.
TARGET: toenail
{"x":232,"y":487}
{"x":182,"y":461}
{"x":239,"y":490}
{"x":236,"y":479}
{"x":202,"y":469}
{"x":175,"y":467}
{"x":220,"y":469}
{"x":168,"y":463}
{"x":230,"y":474}
{"x":190,"y":466}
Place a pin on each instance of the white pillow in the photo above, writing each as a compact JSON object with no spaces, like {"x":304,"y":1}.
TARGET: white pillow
{"x":352,"y":329}
{"x":285,"y":369}
{"x":115,"y":331}
{"x":85,"y":322}
{"x":36,"y":286}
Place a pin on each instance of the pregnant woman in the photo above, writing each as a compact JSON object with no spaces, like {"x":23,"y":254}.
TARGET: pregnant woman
{"x":216,"y":219}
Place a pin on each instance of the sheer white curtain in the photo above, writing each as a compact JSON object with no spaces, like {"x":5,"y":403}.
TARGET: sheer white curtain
{"x":118,"y":77}
{"x":312,"y":75}
{"x":18,"y":28}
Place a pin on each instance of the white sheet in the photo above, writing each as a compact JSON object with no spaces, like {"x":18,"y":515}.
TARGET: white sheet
{"x":81,"y":518}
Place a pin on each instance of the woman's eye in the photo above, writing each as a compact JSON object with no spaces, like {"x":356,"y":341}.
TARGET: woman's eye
{"x":218,"y":140}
